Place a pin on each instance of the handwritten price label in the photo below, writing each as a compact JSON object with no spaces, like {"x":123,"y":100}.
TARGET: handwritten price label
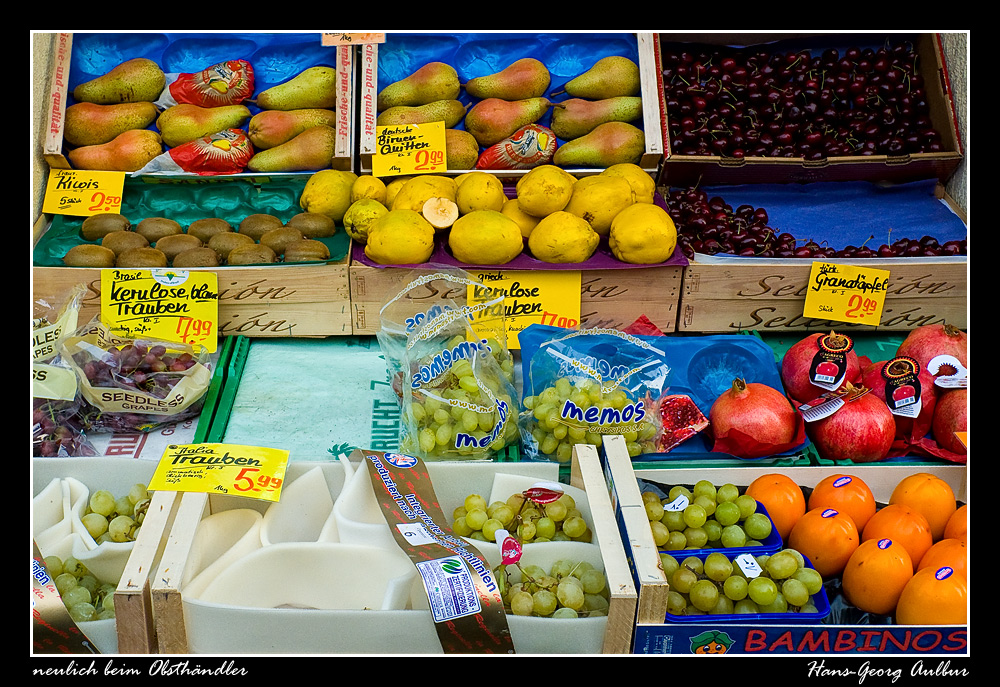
{"x":331,"y":38}
{"x":83,"y":193}
{"x":846,"y":293}
{"x":409,"y":149}
{"x":169,"y":305}
{"x":530,"y":297}
{"x":253,"y":471}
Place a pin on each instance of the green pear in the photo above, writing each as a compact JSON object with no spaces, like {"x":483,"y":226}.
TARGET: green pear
{"x":311,"y":150}
{"x":450,"y":112}
{"x":131,"y":81}
{"x":461,"y":149}
{"x":609,"y":77}
{"x":434,"y":81}
{"x":184,"y":123}
{"x":315,"y":87}
{"x":494,"y":119}
{"x":270,"y":128}
{"x":88,"y":124}
{"x":127,"y":152}
{"x":608,"y":144}
{"x":579,"y":116}
{"x":525,"y":78}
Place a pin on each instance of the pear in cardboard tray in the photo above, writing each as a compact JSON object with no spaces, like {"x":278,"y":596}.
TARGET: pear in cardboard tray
{"x":184,"y":123}
{"x":89,"y":124}
{"x":608,"y":144}
{"x":450,"y":112}
{"x":494,"y":119}
{"x":579,"y":116}
{"x":127,"y":152}
{"x":433,"y":81}
{"x":525,"y":78}
{"x":131,"y":81}
{"x":311,"y":88}
{"x":609,"y":77}
{"x":270,"y":128}
{"x":311,"y":150}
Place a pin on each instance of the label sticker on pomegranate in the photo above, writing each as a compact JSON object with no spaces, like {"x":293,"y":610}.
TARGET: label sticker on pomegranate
{"x":829,"y":366}
{"x":902,"y":386}
{"x":948,"y":371}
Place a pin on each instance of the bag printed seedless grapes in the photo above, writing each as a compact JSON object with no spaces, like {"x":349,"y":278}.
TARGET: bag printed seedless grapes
{"x":581,"y":385}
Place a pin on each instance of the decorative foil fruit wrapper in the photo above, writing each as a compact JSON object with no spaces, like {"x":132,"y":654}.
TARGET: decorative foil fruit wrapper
{"x":529,"y":146}
{"x":225,"y":152}
{"x":226,"y":83}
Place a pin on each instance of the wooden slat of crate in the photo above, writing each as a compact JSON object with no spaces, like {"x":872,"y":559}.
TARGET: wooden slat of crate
{"x":608,"y":298}
{"x":587,"y":474}
{"x":280,"y":300}
{"x":771,"y":295}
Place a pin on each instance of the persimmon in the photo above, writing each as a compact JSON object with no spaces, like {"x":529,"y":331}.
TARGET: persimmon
{"x":951,"y":552}
{"x":876,"y":574}
{"x":930,"y":495}
{"x":958,"y":524}
{"x":848,"y":494}
{"x":827,"y":538}
{"x":934,"y":596}
{"x":904,"y":525}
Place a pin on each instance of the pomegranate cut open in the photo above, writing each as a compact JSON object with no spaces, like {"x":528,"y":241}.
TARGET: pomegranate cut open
{"x":681,"y":419}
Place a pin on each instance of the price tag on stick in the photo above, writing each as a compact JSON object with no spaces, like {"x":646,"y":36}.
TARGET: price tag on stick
{"x":846,"y":293}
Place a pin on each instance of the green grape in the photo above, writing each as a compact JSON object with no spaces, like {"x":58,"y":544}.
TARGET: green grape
{"x":669,"y":564}
{"x":564,"y":612}
{"x":103,"y":502}
{"x":459,"y":512}
{"x":634,"y":449}
{"x":676,"y":542}
{"x":470,"y":384}
{"x":545,"y":527}
{"x":504,"y":514}
{"x":556,"y":510}
{"x":526,"y":531}
{"x":758,"y":526}
{"x":735,"y":587}
{"x":705,"y":488}
{"x":809,"y":608}
{"x":476,"y":518}
{"x":799,"y":559}
{"x":548,"y":445}
{"x":695,"y":516}
{"x":661,"y":535}
{"x":694,"y":563}
{"x":570,"y":595}
{"x":441,"y":416}
{"x":745,"y":606}
{"x":562,"y":568}
{"x":123,"y":506}
{"x":95,"y":523}
{"x":89,"y":582}
{"x":811,"y":578}
{"x":53,"y":565}
{"x":727,"y":513}
{"x":560,"y":431}
{"x":522,"y":603}
{"x":733,"y":536}
{"x":795,"y":592}
{"x":718,"y":567}
{"x":762,"y":591}
{"x":704,"y":595}
{"x":779,"y":605}
{"x":120,"y":528}
{"x":65,"y":582}
{"x":713,"y":529}
{"x":724,"y":606}
{"x":747,"y":504}
{"x":707,"y":503}
{"x":82,"y":612}
{"x":564,"y":452}
{"x":678,"y":491}
{"x":654,"y":509}
{"x":683,"y":580}
{"x":781,"y":565}
{"x":676,"y":603}
{"x":727,"y":493}
{"x":137,"y":493}
{"x":544,"y":602}
{"x":674,"y":520}
{"x":444,"y":434}
{"x":574,"y":526}
{"x":474,"y":501}
{"x":461,"y":527}
{"x":470,"y":420}
{"x":696,"y":537}
{"x":593,"y":581}
{"x":108,"y":600}
{"x":417,"y":412}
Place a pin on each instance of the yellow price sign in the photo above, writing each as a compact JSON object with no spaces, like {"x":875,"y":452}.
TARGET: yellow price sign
{"x":166,"y":304}
{"x":549,"y":297}
{"x":83,"y":193}
{"x":253,"y":471}
{"x":846,"y":293}
{"x":409,"y":149}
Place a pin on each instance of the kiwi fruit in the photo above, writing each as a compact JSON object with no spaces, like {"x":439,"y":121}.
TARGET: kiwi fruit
{"x":89,"y":255}
{"x":175,"y":244}
{"x":306,"y":250}
{"x":208,"y":227}
{"x":155,"y":228}
{"x":277,"y":239}
{"x":121,"y":241}
{"x":313,"y":225}
{"x":142,"y":257}
{"x":202,"y":256}
{"x":227,"y":241}
{"x":251,"y":254}
{"x":96,"y":227}
{"x":255,"y":226}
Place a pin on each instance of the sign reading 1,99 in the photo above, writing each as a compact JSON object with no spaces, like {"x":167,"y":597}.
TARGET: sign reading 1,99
{"x":409,"y":149}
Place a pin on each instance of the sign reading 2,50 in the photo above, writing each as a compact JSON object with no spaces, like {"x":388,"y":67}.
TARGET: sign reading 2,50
{"x":102,"y":201}
{"x":858,"y":306}
{"x":244,"y":482}
{"x":428,"y":159}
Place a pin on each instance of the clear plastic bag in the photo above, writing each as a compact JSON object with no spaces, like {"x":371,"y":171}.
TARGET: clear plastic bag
{"x":584,"y":384}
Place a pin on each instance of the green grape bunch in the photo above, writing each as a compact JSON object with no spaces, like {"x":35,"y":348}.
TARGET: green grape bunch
{"x":525,"y":519}
{"x":85,"y":597}
{"x":463,"y":409}
{"x":719,"y":585}
{"x":579,"y":410}
{"x":713,"y":518}
{"x":110,"y":519}
{"x":570,"y":589}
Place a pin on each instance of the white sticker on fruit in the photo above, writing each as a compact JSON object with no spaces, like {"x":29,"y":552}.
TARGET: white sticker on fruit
{"x":959,"y":379}
{"x":679,"y":503}
{"x":749,"y":565}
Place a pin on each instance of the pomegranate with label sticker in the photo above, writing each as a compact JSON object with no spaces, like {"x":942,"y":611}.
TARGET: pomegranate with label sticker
{"x":797,"y":363}
{"x":861,"y":431}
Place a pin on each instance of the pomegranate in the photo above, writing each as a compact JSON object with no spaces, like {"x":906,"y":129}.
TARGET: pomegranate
{"x":930,"y":340}
{"x":681,"y":419}
{"x":861,"y":431}
{"x":757,"y":410}
{"x":797,"y":361}
{"x":906,"y":427}
{"x":950,"y":416}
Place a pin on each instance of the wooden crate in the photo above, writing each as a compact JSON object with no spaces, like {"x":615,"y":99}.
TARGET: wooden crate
{"x":59,"y":97}
{"x":688,"y":170}
{"x":651,"y":123}
{"x":608,"y":298}
{"x":651,"y":583}
{"x":769,"y":296}
{"x":172,"y":631}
